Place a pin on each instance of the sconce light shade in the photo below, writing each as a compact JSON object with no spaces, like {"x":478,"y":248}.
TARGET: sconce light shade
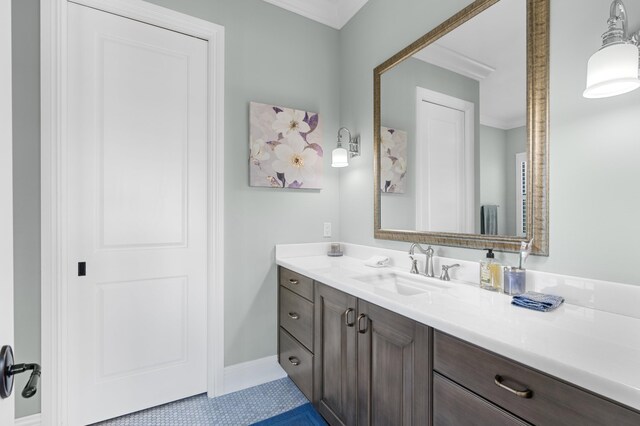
{"x":612,"y":71}
{"x":339,"y":157}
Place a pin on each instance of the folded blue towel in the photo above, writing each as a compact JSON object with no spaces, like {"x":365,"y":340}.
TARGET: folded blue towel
{"x":537,"y":301}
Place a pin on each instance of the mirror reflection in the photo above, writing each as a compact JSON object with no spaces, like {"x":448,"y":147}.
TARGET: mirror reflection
{"x":454,"y":136}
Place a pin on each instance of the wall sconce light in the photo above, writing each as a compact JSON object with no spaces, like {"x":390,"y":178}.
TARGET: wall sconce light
{"x":613,"y":70}
{"x":340,"y":156}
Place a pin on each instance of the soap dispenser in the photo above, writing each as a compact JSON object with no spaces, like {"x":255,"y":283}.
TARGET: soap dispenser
{"x":490,"y":273}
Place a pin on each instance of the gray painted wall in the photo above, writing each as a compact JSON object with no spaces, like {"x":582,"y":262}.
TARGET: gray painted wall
{"x":516,"y":142}
{"x":272,"y":56}
{"x":594,"y":147}
{"x":493,"y":173}
{"x":25,"y":17}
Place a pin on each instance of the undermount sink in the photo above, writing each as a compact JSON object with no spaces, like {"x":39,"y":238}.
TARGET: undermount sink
{"x":401,"y":284}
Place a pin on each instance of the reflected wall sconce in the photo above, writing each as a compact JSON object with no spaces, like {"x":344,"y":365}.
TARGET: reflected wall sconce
{"x":613,"y":70}
{"x":340,"y":156}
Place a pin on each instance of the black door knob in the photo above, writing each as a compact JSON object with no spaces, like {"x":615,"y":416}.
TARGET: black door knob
{"x":8,"y":369}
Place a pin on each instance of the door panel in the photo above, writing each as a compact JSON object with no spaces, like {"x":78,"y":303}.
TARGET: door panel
{"x":6,"y":199}
{"x":335,"y":352}
{"x":137,"y":188}
{"x":394,"y":369}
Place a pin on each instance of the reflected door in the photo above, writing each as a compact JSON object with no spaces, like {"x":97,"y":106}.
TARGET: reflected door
{"x":137,"y":188}
{"x":445,"y":181}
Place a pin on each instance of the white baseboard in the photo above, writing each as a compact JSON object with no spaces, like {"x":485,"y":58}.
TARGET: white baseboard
{"x":236,"y":377}
{"x":33,"y":420}
{"x":252,"y":373}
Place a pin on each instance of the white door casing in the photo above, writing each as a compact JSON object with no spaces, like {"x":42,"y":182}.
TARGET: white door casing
{"x":59,"y":266}
{"x":6,"y":199}
{"x":445,"y":177}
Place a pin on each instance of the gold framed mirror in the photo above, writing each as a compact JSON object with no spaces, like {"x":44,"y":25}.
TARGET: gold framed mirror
{"x":434,"y":191}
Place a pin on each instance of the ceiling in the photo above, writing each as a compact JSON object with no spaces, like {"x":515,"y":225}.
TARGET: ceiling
{"x":490,"y":48}
{"x":334,"y":13}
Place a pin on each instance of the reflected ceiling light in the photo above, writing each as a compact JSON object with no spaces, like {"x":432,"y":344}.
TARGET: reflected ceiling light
{"x":613,"y":70}
{"x":340,"y":156}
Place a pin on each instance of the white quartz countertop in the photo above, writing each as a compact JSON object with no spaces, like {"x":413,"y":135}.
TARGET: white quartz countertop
{"x":593,"y":349}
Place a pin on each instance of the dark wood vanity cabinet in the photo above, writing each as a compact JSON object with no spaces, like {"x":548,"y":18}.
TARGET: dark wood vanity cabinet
{"x":361,"y":364}
{"x":500,"y":384}
{"x":394,"y":368}
{"x":372,"y":365}
{"x":295,"y":331}
{"x":335,"y":372}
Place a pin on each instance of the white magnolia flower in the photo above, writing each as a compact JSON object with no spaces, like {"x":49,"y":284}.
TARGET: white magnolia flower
{"x":386,"y":172}
{"x":401,"y":166}
{"x":387,"y":140}
{"x":289,"y":121}
{"x":259,"y":150}
{"x":294,"y":161}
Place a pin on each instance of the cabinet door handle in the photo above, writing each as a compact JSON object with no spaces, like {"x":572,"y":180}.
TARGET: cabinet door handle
{"x":346,"y":318}
{"x":294,"y":315}
{"x":360,"y":329}
{"x":293,"y":360}
{"x":293,"y":281}
{"x":526,"y":393}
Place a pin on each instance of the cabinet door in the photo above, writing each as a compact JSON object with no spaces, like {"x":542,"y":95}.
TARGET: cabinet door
{"x":335,"y":352}
{"x":394,"y":368}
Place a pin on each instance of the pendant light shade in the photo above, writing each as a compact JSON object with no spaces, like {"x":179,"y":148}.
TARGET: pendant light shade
{"x":339,"y":157}
{"x":612,"y":71}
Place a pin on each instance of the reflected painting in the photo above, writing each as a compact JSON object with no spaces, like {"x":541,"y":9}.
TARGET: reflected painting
{"x":393,"y":161}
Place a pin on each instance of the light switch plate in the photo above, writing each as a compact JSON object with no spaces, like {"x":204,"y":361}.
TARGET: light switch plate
{"x":327,"y":230}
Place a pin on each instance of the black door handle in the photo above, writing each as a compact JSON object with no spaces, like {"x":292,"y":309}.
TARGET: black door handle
{"x":8,"y":369}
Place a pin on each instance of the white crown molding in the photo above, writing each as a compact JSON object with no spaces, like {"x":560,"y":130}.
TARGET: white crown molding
{"x":453,"y":61}
{"x":501,"y":124}
{"x":334,"y":13}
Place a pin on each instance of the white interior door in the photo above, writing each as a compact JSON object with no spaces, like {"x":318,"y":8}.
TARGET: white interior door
{"x":6,"y":199}
{"x":137,"y":196}
{"x":445,"y":184}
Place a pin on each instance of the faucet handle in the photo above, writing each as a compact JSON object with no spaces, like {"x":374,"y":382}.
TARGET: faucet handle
{"x":444,"y":275}
{"x":414,"y":265}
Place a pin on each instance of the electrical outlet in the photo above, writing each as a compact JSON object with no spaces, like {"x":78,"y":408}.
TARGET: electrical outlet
{"x":327,"y":230}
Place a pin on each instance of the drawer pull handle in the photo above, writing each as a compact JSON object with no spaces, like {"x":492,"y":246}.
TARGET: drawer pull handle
{"x":346,"y":318}
{"x":294,"y":315}
{"x":526,"y":393}
{"x":360,"y":329}
{"x":293,"y":281}
{"x":293,"y":360}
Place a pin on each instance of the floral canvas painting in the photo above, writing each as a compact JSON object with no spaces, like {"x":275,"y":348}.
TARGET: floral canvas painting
{"x":285,"y":147}
{"x":393,"y":161}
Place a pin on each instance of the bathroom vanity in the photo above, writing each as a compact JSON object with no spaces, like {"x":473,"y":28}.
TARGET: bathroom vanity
{"x":378,"y":346}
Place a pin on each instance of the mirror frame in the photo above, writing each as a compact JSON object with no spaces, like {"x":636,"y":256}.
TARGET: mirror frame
{"x":537,"y":135}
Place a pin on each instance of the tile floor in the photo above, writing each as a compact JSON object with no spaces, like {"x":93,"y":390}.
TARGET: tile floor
{"x":235,"y":409}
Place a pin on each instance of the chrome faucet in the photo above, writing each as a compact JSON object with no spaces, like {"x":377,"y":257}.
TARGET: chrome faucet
{"x":428,"y":266}
{"x":444,"y":275}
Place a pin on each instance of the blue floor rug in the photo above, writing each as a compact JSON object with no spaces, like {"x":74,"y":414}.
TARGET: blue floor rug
{"x":305,"y":415}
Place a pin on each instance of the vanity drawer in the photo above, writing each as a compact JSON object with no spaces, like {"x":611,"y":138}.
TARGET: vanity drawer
{"x":297,"y":362}
{"x":297,"y":283}
{"x":454,"y":405}
{"x":541,"y":399}
{"x":296,"y":316}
